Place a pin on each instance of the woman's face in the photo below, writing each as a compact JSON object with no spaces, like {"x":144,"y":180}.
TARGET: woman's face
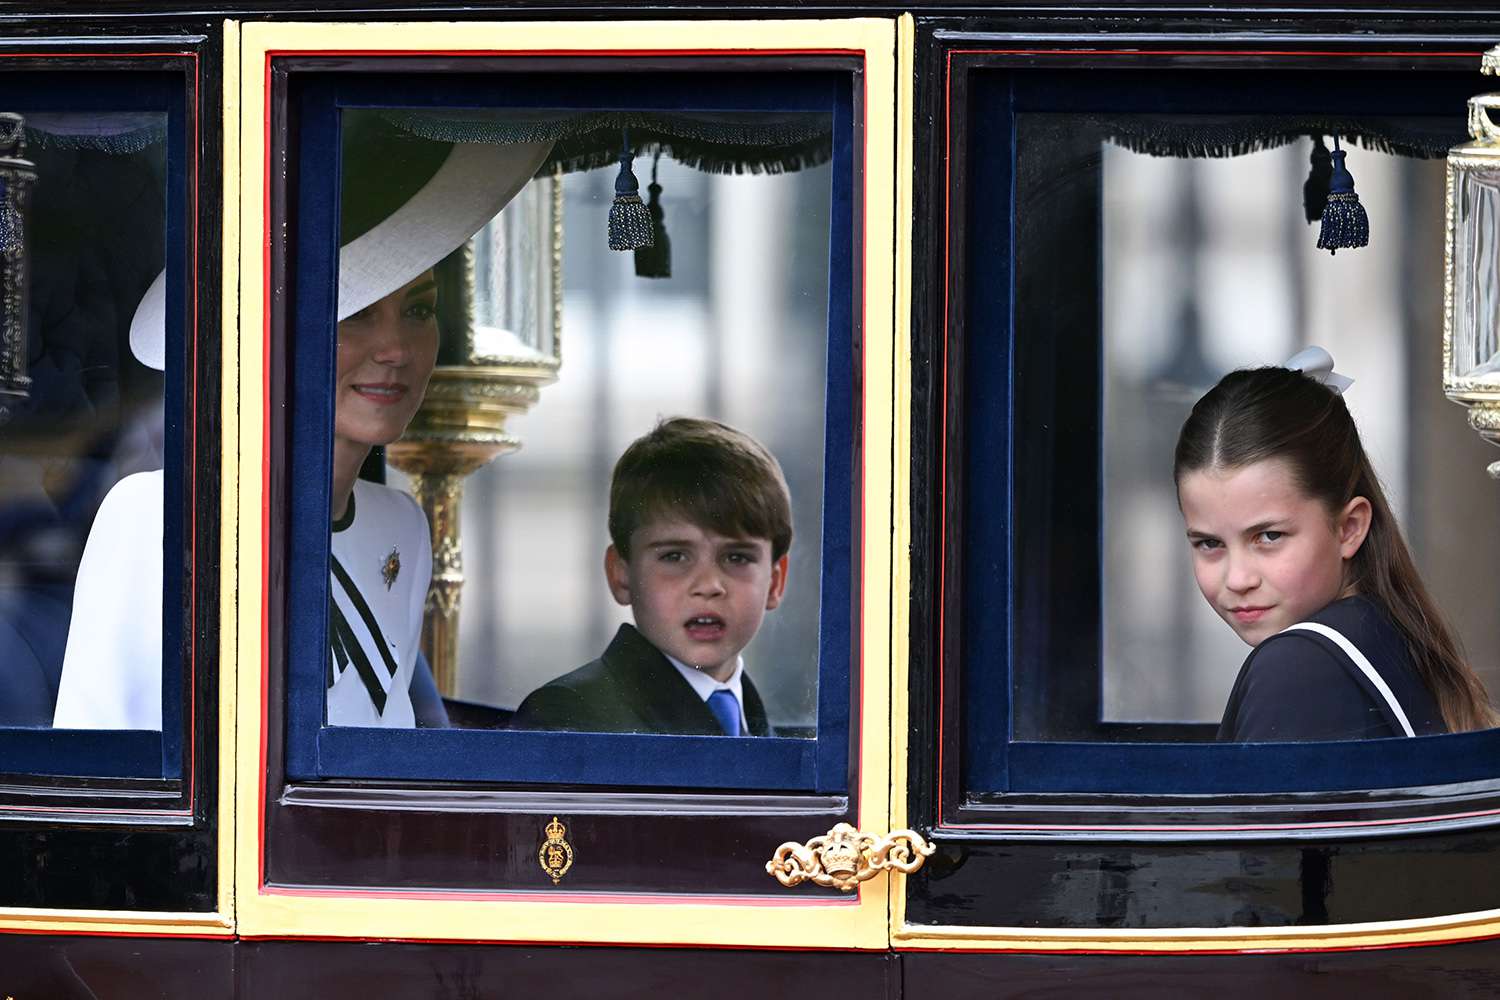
{"x":385,"y":357}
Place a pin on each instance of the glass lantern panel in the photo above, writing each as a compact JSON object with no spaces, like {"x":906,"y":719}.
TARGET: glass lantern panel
{"x":515,"y":276}
{"x":1476,"y":269}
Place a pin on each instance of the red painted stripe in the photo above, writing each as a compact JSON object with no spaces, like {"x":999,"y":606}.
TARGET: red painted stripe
{"x":544,"y":53}
{"x":1247,"y":950}
{"x":631,"y":898}
{"x":166,"y":933}
{"x":1216,"y":52}
{"x":265,"y":484}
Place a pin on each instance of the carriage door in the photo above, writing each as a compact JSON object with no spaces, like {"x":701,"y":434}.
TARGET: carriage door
{"x":686,"y":220}
{"x":1112,"y":228}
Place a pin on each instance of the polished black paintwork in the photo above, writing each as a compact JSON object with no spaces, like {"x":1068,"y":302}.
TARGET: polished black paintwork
{"x":1093,"y":884}
{"x":44,"y":967}
{"x":1452,"y":972}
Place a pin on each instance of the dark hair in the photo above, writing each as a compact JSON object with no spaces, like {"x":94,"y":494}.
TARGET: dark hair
{"x":1265,"y":413}
{"x":706,"y":473}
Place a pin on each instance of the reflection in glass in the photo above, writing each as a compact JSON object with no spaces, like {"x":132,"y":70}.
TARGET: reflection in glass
{"x":81,"y":458}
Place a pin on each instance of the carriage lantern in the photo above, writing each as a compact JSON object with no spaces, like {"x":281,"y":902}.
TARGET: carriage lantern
{"x":17,"y":175}
{"x":1471,"y":323}
{"x":503,"y":341}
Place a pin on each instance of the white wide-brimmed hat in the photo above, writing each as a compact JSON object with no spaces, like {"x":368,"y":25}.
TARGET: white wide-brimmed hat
{"x":470,"y":187}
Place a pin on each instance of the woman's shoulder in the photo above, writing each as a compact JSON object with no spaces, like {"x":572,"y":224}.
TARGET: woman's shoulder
{"x":376,"y":503}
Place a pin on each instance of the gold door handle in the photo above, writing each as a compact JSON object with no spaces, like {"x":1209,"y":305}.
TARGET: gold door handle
{"x":845,"y":857}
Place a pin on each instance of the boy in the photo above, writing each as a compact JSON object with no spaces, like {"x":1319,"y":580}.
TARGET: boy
{"x":700,"y":522}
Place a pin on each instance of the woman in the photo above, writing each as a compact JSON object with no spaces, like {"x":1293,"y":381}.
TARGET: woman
{"x":406,"y":203}
{"x":380,"y":559}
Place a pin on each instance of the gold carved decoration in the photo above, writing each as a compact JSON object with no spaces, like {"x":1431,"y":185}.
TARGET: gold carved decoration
{"x":1489,"y":63}
{"x":845,"y":857}
{"x":556,"y":854}
{"x":460,"y":428}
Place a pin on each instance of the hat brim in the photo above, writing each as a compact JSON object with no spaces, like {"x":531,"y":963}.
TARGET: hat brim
{"x":474,"y":183}
{"x":468,"y":190}
{"x":148,"y":327}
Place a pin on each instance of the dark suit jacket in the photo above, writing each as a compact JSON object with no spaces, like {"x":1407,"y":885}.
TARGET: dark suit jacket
{"x":632,"y":688}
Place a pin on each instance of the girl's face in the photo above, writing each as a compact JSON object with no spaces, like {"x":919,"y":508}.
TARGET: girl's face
{"x":385,"y":356}
{"x":1266,"y":555}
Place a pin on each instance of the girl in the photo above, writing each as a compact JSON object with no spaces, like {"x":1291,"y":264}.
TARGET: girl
{"x":1294,"y":545}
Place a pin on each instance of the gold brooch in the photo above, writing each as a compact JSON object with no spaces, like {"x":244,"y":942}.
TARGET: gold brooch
{"x":556,"y":855}
{"x":390,"y":568}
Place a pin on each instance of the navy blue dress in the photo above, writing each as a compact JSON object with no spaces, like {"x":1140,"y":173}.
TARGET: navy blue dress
{"x":1301,"y":686}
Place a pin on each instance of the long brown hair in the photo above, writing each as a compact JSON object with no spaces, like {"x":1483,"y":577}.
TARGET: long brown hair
{"x":1263,"y":413}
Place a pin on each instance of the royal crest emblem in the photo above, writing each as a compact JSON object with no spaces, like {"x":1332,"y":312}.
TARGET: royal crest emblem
{"x":390,"y":567}
{"x":556,"y":854}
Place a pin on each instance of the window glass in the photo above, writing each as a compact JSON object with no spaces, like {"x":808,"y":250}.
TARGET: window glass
{"x":591,"y":370}
{"x":1153,"y":254}
{"x":1209,"y":264}
{"x":732,"y":335}
{"x":88,"y":451}
{"x":1238,"y":281}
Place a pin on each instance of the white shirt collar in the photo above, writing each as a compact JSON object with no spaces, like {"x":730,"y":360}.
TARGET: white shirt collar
{"x":704,"y":685}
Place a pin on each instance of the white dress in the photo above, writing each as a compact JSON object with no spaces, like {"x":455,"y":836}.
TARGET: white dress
{"x":111,"y":677}
{"x":378,"y":575}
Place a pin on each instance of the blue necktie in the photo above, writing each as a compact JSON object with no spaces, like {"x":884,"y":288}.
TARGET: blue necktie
{"x":726,"y":708}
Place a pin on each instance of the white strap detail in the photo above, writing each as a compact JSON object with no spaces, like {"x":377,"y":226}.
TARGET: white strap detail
{"x":1364,"y":665}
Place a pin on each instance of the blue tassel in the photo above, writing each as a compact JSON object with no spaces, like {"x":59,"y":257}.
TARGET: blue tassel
{"x":1345,"y":224}
{"x":629,"y":222}
{"x":9,"y":234}
{"x":655,"y":261}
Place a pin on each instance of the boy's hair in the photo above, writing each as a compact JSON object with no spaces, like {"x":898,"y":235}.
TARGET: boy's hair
{"x":1263,"y":413}
{"x":706,"y":473}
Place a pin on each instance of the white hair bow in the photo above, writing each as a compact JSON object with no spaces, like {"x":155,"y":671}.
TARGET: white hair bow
{"x":1318,"y":364}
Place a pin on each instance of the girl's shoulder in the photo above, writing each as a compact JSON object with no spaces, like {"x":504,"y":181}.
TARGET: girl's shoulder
{"x":1310,"y":686}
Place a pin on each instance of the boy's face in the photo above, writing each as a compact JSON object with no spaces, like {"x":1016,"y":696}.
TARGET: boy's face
{"x":697,"y":596}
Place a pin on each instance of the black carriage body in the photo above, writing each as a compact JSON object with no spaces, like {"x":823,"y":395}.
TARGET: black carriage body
{"x":1045,"y":880}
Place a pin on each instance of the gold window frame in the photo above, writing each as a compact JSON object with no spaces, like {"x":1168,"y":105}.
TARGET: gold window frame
{"x":808,"y":917}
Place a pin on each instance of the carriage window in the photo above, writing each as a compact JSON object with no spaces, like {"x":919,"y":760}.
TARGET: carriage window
{"x":91,"y":375}
{"x":1154,"y":254}
{"x":588,"y":378}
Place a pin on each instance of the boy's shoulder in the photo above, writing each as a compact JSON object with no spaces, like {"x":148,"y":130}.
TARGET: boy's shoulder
{"x":631,"y":688}
{"x":603,"y":695}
